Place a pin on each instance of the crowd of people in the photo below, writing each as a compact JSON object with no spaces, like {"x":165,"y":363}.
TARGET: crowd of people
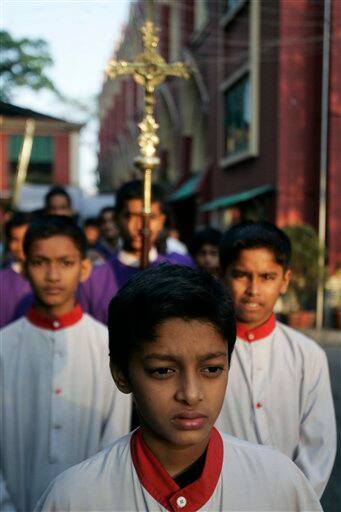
{"x":165,"y":435}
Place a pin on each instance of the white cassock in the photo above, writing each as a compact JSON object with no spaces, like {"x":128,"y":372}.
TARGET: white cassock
{"x":237,"y":476}
{"x":59,"y":402}
{"x":279,"y":394}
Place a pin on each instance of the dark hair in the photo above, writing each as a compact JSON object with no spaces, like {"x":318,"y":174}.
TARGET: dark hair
{"x":134,"y":190}
{"x":18,"y":219}
{"x":158,"y":294}
{"x":253,"y":235}
{"x":106,"y":209}
{"x":55,"y":225}
{"x":57,"y":191}
{"x":91,"y":221}
{"x":209,"y":236}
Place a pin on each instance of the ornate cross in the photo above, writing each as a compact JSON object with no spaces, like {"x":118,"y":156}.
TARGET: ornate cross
{"x":149,"y":71}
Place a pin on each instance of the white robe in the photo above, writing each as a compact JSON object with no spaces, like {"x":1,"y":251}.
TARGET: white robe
{"x":59,"y":405}
{"x":251,"y":478}
{"x":279,"y":394}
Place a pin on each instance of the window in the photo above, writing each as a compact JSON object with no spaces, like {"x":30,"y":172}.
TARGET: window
{"x":40,"y":167}
{"x":240,"y":98}
{"x":237,"y":117}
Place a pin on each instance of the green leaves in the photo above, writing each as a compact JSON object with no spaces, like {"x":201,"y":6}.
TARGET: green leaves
{"x":23,"y":64}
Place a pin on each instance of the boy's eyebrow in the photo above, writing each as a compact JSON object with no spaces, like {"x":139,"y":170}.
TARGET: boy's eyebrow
{"x":169,"y":357}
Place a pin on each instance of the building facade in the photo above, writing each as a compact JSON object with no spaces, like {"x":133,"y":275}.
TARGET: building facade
{"x":242,"y":138}
{"x":55,"y":150}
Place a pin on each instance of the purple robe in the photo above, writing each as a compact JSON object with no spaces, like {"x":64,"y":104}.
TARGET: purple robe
{"x":106,"y":279}
{"x":16,"y":296}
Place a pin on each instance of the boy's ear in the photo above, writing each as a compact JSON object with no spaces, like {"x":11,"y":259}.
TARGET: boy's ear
{"x":120,"y":380}
{"x":286,"y":280}
{"x":86,"y":268}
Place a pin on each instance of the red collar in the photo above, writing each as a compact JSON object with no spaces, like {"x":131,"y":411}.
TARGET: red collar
{"x":57,"y":323}
{"x":257,"y":333}
{"x":163,"y":488}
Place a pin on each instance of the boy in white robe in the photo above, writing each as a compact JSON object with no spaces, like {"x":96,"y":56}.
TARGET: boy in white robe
{"x":58,"y":402}
{"x":172,"y":332}
{"x":279,"y":389}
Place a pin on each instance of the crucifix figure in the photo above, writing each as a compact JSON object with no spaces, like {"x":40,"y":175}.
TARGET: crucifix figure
{"x":149,"y":71}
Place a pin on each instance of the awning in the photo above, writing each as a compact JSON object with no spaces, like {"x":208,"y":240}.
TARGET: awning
{"x":226,"y":201}
{"x":187,"y":189}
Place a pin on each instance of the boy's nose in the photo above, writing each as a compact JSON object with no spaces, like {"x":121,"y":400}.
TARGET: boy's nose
{"x":189,"y":391}
{"x":252,"y":288}
{"x":52,"y":273}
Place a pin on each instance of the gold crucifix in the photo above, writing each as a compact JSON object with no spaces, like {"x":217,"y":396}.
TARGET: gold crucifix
{"x":149,"y":71}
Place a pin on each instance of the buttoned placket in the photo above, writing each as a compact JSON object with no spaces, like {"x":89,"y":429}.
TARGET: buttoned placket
{"x":57,"y":394}
{"x":259,"y":356}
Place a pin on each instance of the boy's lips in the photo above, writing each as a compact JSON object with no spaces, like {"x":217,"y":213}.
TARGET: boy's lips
{"x":251,"y":305}
{"x":189,"y":420}
{"x":53,"y":291}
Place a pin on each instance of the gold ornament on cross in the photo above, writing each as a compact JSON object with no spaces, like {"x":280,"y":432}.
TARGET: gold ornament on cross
{"x":149,"y":70}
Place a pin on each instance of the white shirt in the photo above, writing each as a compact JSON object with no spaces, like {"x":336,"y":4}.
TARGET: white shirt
{"x":237,"y":476}
{"x":59,"y":407}
{"x":279,"y":394}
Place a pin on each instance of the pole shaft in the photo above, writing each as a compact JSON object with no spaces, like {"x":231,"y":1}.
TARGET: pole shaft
{"x":146,"y":212}
{"x":323,"y":163}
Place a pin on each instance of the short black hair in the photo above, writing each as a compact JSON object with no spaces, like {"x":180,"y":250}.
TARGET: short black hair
{"x":255,"y":235}
{"x":91,"y":221}
{"x":160,"y":293}
{"x":209,"y":236}
{"x":134,"y":190}
{"x":57,"y":191}
{"x":18,"y":219}
{"x":106,"y":209}
{"x":55,"y":225}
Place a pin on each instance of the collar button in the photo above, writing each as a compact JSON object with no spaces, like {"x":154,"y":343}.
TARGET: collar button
{"x":56,"y":324}
{"x":250,"y":336}
{"x":181,"y":502}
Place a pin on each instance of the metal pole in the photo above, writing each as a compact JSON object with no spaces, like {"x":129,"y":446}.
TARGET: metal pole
{"x":24,"y":160}
{"x":323,"y":163}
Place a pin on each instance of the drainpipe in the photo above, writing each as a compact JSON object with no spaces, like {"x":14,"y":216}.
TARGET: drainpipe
{"x":323,"y":162}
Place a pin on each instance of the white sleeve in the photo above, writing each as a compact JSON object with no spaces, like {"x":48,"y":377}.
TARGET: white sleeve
{"x":52,"y":500}
{"x":6,"y":504}
{"x":117,"y":413}
{"x":317,"y":448}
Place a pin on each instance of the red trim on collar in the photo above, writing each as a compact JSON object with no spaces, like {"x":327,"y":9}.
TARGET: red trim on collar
{"x":57,"y":323}
{"x":163,"y":488}
{"x":257,"y":333}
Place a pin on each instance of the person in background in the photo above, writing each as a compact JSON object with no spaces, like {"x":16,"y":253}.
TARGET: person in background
{"x":204,"y":249}
{"x":171,"y":335}
{"x":168,"y":242}
{"x":15,"y":290}
{"x":108,"y":243}
{"x":108,"y":278}
{"x":58,"y":202}
{"x":279,"y":390}
{"x":59,"y":405}
{"x":92,"y":233}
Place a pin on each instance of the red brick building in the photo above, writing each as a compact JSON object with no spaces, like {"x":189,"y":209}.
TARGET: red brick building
{"x":242,"y":138}
{"x":54,"y":156}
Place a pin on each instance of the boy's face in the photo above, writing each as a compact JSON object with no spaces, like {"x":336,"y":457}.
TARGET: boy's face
{"x":208,"y":258}
{"x":108,"y":225}
{"x":16,"y":241}
{"x":178,"y":382}
{"x":256,"y":281}
{"x":130,"y":223}
{"x":54,"y":267}
{"x":59,"y":205}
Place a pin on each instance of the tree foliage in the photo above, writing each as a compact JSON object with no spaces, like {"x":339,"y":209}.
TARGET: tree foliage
{"x":23,"y":63}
